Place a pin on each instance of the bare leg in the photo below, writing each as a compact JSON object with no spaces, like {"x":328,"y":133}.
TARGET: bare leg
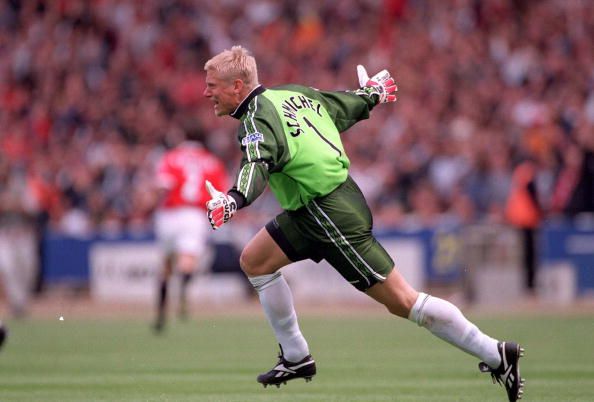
{"x":395,"y":293}
{"x":162,"y":293}
{"x":261,"y":260}
{"x":439,"y":316}
{"x":186,"y":265}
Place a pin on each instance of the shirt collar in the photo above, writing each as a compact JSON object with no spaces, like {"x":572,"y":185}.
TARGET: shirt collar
{"x":242,"y":108}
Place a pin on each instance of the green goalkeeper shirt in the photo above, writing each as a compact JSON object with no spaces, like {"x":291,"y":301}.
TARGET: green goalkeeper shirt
{"x":290,"y":139}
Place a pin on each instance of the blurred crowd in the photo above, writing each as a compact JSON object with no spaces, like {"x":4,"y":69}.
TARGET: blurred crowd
{"x":92,"y":92}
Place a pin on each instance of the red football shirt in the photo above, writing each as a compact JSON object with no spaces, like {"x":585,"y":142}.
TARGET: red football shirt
{"x":183,"y":170}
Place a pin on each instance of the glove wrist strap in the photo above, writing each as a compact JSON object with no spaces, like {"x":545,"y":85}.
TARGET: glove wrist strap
{"x":239,"y":199}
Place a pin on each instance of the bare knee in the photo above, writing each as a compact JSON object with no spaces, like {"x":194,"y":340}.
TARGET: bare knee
{"x":186,"y":263}
{"x":262,"y":256}
{"x":400,"y":305}
{"x":253,"y":264}
{"x":246,"y":262}
{"x":396,"y":294}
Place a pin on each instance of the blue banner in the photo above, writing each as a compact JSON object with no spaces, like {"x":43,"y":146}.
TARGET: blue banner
{"x":564,"y":241}
{"x":442,"y":252}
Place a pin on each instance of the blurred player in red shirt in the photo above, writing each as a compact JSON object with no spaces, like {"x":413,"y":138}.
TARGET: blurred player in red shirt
{"x":181,"y":226}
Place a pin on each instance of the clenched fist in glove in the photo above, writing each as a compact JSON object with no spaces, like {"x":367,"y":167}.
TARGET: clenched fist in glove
{"x":220,"y":208}
{"x":381,"y":84}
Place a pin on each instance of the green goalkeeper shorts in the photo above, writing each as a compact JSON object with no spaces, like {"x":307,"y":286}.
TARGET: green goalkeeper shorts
{"x":337,"y":228}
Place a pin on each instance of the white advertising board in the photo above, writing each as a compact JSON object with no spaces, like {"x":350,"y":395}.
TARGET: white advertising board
{"x":128,"y":272}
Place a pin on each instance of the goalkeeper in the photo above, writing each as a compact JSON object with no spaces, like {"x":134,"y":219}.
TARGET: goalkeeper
{"x":290,"y":139}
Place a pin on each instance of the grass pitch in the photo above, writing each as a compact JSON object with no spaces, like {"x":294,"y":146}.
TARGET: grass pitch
{"x":217,"y":359}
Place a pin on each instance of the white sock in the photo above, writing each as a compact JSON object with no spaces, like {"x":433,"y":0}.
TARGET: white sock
{"x":447,"y":322}
{"x":277,"y":301}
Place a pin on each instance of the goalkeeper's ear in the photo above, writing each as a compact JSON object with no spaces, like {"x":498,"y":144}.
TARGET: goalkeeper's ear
{"x":362,"y":75}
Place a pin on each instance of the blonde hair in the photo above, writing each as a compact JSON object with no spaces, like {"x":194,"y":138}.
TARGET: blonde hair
{"x":235,"y":63}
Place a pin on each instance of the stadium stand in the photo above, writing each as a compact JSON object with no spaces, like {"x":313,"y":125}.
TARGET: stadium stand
{"x":93,"y":92}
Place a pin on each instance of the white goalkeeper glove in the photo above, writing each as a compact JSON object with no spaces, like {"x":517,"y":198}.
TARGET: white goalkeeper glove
{"x":220,"y":208}
{"x":381,"y":84}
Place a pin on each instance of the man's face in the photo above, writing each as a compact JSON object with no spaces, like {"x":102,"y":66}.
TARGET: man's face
{"x":224,"y":93}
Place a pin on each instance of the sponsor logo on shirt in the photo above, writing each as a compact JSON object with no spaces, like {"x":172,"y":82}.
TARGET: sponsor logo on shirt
{"x":251,"y":138}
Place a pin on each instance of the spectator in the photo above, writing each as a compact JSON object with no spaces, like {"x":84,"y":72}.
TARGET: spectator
{"x":523,"y":211}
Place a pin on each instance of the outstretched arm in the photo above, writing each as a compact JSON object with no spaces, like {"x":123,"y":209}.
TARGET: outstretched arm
{"x":348,"y":107}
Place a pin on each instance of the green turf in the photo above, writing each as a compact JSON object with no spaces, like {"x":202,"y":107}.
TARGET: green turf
{"x":217,"y":359}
